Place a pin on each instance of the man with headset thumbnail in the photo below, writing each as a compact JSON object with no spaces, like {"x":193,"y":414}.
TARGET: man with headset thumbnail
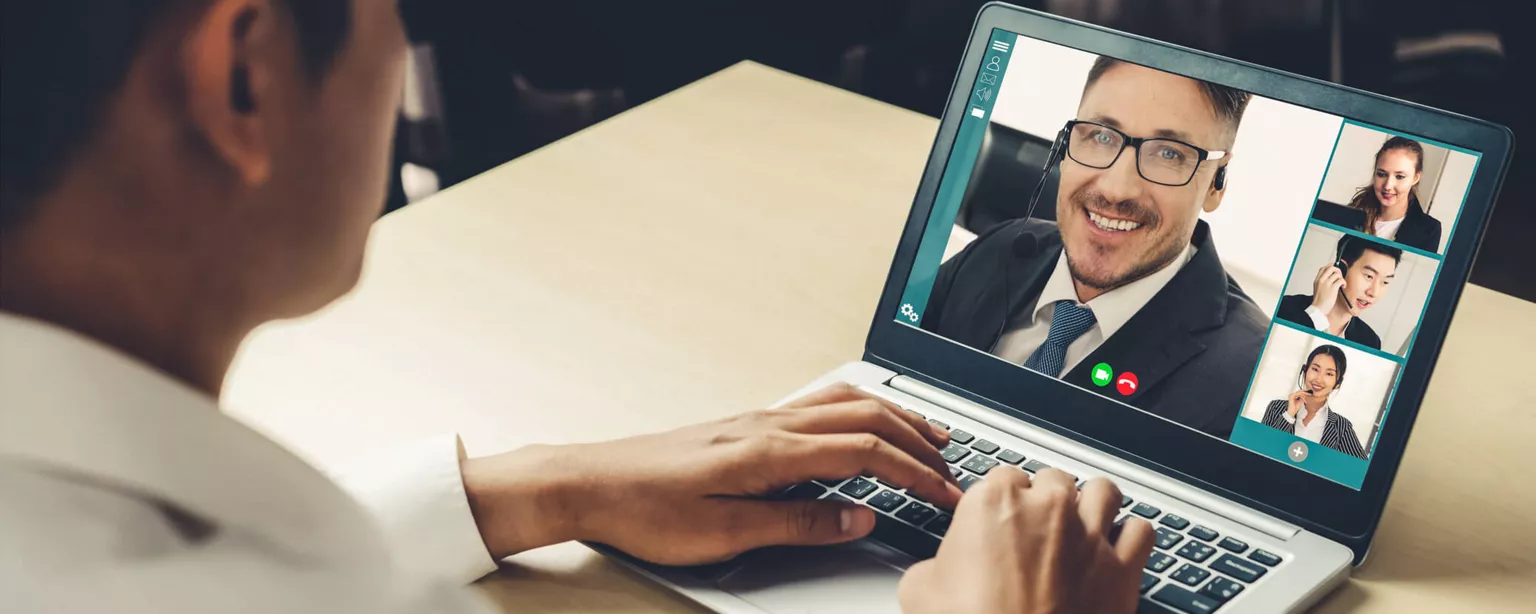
{"x":1306,"y":414}
{"x":1357,"y":278}
{"x":1129,"y":275}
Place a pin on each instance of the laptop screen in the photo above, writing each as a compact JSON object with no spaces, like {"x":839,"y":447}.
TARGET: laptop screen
{"x":1247,"y":268}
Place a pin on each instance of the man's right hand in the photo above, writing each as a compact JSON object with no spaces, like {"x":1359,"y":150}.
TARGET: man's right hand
{"x":1022,"y":546}
{"x":1325,"y":288}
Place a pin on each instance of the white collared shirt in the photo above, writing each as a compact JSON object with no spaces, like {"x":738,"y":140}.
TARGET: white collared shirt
{"x":1111,"y":311}
{"x":122,"y":490}
{"x":1312,"y":431}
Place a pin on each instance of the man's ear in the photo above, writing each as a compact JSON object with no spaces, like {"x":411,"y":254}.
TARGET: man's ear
{"x":226,"y":64}
{"x":1218,"y":187}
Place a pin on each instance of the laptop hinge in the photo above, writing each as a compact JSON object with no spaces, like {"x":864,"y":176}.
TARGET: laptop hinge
{"x":1264,"y":523}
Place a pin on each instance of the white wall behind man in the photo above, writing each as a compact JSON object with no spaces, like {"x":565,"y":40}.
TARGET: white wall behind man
{"x":1279,"y":159}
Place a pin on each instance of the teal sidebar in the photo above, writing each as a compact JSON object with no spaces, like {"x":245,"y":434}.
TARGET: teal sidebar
{"x":957,"y":173}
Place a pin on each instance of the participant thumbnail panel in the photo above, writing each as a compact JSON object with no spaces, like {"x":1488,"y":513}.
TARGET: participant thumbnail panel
{"x":1357,"y":289}
{"x":1395,"y":187}
{"x":1317,"y":404}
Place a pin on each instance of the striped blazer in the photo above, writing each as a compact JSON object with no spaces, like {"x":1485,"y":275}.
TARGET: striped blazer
{"x":1338,"y":433}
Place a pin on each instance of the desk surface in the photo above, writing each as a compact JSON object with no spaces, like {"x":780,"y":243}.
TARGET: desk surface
{"x":715,"y":249}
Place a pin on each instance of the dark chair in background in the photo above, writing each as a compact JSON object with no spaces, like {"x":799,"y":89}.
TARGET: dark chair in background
{"x":1006,"y":172}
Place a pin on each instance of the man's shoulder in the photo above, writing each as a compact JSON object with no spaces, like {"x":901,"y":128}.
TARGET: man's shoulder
{"x":1364,"y":334}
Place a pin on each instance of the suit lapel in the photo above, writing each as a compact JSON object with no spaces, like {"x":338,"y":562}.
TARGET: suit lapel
{"x":1026,"y":277}
{"x":1160,"y":338}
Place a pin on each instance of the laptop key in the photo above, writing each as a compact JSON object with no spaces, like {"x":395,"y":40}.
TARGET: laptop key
{"x":968,"y":481}
{"x":1178,"y":598}
{"x":1265,"y":557}
{"x":985,"y":447}
{"x":1124,"y":501}
{"x":938,"y":424}
{"x":1035,"y":466}
{"x":1174,"y":521}
{"x":953,"y":452}
{"x":1221,"y":589}
{"x":1010,"y":457}
{"x":911,"y":540}
{"x":961,"y":437}
{"x":1189,"y":574}
{"x":1167,"y":539}
{"x":915,"y":413}
{"x":1203,"y":534}
{"x":1147,"y":582}
{"x":939,"y":526}
{"x":838,"y":498}
{"x":1145,"y":511}
{"x":1234,"y":545}
{"x":1159,"y":562}
{"x":979,"y":464}
{"x":886,"y":501}
{"x":858,"y":488}
{"x":1245,"y":571}
{"x":916,"y":513}
{"x":828,"y":483}
{"x":1196,"y":551}
{"x":955,"y":471}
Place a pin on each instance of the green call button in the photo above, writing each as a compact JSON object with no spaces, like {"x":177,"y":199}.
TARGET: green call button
{"x":1102,"y":373}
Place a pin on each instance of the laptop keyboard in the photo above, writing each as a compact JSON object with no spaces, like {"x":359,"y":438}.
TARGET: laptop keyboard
{"x":1193,"y":568}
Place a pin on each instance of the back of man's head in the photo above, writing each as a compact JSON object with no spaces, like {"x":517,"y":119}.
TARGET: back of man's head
{"x":63,"y":61}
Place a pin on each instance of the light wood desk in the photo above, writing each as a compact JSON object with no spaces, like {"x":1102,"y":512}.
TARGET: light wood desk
{"x":713,"y":250}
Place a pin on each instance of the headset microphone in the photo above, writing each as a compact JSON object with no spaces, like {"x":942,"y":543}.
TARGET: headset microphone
{"x":1343,"y":267}
{"x":1025,"y":245}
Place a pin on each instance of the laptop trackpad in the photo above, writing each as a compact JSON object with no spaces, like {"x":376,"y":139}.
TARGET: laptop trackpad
{"x":851,"y":578}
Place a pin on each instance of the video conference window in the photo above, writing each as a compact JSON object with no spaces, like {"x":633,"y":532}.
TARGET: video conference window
{"x":1149,"y":237}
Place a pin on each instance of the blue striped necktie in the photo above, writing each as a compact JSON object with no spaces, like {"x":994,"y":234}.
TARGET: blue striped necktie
{"x":1068,"y":322}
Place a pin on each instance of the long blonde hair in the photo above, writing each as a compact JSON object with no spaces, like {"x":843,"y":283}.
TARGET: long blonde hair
{"x":1365,"y":198}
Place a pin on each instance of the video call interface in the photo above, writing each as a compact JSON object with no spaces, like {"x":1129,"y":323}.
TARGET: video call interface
{"x":1247,"y":268}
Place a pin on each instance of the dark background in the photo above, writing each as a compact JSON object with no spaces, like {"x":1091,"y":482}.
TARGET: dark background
{"x":513,"y":76}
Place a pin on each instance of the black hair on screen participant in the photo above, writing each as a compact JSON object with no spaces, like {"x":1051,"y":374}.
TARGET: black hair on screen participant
{"x":1306,"y":413}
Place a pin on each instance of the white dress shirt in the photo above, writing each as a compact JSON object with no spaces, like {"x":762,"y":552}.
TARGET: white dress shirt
{"x":1388,"y":230}
{"x":122,"y":490}
{"x":1310,"y":431}
{"x":1111,"y":311}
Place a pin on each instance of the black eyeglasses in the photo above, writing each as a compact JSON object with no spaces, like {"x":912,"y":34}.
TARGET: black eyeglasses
{"x":1162,"y":161}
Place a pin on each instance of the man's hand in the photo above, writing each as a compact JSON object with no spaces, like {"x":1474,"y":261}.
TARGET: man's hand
{"x":1325,"y":288}
{"x":1022,"y":546}
{"x":701,"y":493}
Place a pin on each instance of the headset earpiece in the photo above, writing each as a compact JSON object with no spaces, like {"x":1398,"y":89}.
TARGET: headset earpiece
{"x":1221,"y":179}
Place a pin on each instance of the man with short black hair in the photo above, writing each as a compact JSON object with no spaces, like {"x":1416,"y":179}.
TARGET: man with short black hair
{"x":1345,"y":288}
{"x":179,"y":172}
{"x":1128,"y":275}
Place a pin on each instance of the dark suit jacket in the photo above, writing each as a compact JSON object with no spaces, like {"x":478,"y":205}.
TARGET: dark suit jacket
{"x":1419,"y":230}
{"x":1338,"y":433}
{"x":1293,"y":308}
{"x":1192,"y":347}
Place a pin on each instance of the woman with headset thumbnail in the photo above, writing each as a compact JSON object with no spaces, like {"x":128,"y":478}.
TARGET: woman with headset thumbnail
{"x":1306,"y":412}
{"x":1391,"y":201}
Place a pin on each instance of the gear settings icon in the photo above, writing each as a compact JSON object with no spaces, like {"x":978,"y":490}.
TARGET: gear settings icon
{"x":909,"y":313}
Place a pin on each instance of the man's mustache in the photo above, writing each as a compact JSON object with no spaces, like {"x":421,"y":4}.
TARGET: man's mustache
{"x":1124,"y":209}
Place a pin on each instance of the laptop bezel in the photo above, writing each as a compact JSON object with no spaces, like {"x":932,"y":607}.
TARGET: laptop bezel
{"x":1328,"y":508}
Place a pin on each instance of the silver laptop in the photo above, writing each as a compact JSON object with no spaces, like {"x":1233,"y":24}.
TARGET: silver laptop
{"x":1168,"y":315}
